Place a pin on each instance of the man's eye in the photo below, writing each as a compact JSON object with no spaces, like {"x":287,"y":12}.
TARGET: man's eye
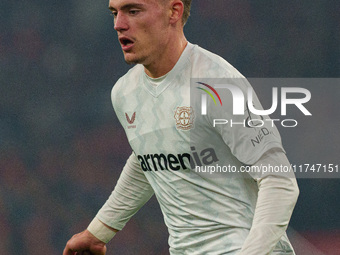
{"x":133,"y":12}
{"x":114,"y":14}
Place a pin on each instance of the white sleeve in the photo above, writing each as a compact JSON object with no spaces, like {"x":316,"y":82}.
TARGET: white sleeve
{"x":276,"y":200}
{"x":130,"y":194}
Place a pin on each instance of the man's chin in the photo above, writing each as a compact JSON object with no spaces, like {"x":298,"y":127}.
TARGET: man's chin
{"x":131,"y":60}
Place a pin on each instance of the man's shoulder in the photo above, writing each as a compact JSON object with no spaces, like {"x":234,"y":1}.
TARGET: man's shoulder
{"x":129,"y":80}
{"x":208,"y":64}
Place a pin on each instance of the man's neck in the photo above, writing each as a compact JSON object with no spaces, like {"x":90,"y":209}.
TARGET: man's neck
{"x":168,"y":59}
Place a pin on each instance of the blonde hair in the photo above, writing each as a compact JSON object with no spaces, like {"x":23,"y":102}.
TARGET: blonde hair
{"x":186,"y":12}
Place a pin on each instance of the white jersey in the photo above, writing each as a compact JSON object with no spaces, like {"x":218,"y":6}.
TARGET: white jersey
{"x":172,"y":141}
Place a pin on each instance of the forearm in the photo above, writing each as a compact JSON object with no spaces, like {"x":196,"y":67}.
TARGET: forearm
{"x":276,"y":200}
{"x":130,"y":194}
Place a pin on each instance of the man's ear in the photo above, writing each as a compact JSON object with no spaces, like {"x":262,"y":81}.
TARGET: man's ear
{"x":177,"y":9}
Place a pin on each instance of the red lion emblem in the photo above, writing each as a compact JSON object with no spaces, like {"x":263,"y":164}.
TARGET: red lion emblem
{"x":184,"y":117}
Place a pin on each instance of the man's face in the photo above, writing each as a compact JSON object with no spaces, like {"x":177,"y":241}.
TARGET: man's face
{"x":142,"y":27}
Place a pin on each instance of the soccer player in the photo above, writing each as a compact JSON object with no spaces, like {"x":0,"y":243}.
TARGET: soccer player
{"x":227,"y":213}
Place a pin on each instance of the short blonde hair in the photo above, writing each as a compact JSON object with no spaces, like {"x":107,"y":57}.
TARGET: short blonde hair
{"x":186,"y":12}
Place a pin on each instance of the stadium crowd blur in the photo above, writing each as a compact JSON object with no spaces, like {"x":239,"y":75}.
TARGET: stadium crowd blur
{"x":62,"y":148}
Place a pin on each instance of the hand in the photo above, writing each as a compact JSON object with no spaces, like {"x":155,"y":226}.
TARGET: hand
{"x":84,"y":243}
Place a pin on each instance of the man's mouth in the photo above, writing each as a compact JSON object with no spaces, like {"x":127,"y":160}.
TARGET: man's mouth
{"x":126,"y":43}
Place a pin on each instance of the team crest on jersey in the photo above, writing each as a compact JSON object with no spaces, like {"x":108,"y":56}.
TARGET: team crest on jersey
{"x":131,"y":120}
{"x":184,"y":117}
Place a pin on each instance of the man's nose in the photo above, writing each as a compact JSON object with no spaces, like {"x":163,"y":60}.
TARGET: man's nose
{"x":120,"y":22}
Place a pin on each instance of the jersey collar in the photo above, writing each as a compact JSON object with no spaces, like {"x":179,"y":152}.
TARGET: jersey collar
{"x":170,"y":76}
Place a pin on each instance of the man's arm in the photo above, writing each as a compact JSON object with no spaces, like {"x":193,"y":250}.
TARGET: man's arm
{"x":276,"y":200}
{"x":130,"y":194}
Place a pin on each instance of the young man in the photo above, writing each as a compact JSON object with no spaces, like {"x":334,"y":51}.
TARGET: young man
{"x":240,"y":213}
